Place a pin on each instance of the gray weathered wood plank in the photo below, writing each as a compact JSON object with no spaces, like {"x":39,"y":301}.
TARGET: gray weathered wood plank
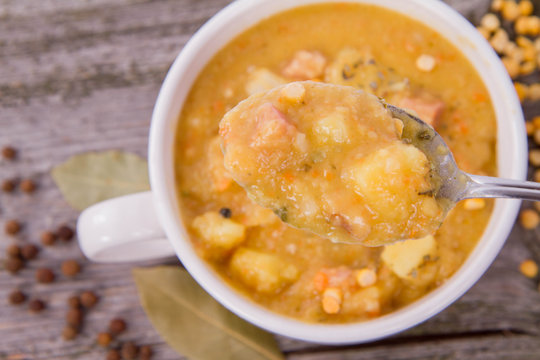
{"x":77,"y":76}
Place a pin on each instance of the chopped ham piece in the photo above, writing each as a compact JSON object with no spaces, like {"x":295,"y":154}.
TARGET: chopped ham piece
{"x":428,"y":110}
{"x":272,"y":127}
{"x":305,"y":65}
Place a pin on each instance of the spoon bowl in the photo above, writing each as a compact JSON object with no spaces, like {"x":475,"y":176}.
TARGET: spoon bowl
{"x":450,"y":184}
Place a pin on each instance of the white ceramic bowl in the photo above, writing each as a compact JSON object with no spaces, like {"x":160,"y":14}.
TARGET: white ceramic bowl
{"x":239,"y":16}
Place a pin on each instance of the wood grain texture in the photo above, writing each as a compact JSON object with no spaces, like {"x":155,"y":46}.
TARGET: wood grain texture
{"x":78,"y":76}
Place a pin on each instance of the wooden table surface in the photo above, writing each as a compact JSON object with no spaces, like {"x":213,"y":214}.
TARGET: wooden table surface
{"x":82,"y":75}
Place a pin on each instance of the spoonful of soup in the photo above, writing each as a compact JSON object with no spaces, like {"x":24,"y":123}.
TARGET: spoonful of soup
{"x":347,"y":166}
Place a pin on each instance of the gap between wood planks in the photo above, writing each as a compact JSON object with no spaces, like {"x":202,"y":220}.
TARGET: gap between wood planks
{"x":414,"y":339}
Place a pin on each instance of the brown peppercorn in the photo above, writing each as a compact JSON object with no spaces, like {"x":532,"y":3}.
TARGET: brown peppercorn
{"x":16,"y":297}
{"x":74,"y":302}
{"x":117,"y":326}
{"x":29,"y":251}
{"x":44,"y":275}
{"x":129,"y":351}
{"x":36,"y":305}
{"x":113,"y":355}
{"x":28,"y":186}
{"x":88,"y":299}
{"x":70,"y":268}
{"x":13,"y":251}
{"x":12,"y":227}
{"x":145,"y":352}
{"x":8,"y":186}
{"x":70,"y":332}
{"x":74,"y":317}
{"x":13,"y":265}
{"x":48,"y":238}
{"x":104,"y":339}
{"x":9,"y":153}
{"x":65,"y":233}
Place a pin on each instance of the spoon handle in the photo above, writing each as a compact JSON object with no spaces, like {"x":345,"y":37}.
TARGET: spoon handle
{"x":492,"y":187}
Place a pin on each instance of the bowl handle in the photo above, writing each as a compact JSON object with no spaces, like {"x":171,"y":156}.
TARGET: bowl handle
{"x":123,"y":229}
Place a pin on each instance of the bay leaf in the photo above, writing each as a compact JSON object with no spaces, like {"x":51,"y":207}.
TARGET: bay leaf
{"x":89,"y":178}
{"x":196,"y":325}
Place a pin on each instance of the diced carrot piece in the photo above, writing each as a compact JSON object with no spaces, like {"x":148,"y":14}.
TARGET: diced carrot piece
{"x":429,"y":110}
{"x":320,"y":281}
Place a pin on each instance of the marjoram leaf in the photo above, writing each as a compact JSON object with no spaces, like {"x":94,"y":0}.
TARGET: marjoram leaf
{"x":196,"y":325}
{"x":89,"y":178}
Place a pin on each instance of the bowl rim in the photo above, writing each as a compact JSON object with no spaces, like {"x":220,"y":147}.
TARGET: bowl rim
{"x":162,"y":178}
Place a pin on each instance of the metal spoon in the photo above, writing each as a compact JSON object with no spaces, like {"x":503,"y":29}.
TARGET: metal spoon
{"x":450,"y":184}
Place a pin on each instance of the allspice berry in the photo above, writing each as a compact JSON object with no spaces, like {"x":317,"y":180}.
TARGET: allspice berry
{"x":28,"y":186}
{"x":117,"y":326}
{"x":16,"y":297}
{"x":104,"y":339}
{"x":74,"y":317}
{"x":88,"y":299}
{"x":44,"y":275}
{"x":13,"y":265}
{"x":12,"y":227}
{"x":129,"y":351}
{"x":65,"y":233}
{"x":70,"y":268}
{"x":29,"y":251}
{"x":13,"y":251}
{"x":113,"y":355}
{"x":74,"y":302}
{"x":70,"y":332}
{"x":8,"y":186}
{"x":145,"y":352}
{"x":48,"y":238}
{"x":36,"y":305}
{"x":9,"y":153}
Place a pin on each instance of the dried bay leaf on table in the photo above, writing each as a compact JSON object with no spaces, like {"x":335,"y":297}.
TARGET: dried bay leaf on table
{"x":89,"y":178}
{"x":196,"y":325}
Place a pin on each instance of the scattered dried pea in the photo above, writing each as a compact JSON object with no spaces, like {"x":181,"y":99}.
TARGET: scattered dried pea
{"x":117,"y":326}
{"x":536,"y":175}
{"x":490,"y":22}
{"x":129,"y":351}
{"x":510,"y":10}
{"x":113,"y":355}
{"x":536,"y":136}
{"x":13,"y":251}
{"x":529,"y":268}
{"x":496,"y":5}
{"x":484,"y":32}
{"x":525,"y":7}
{"x":527,"y":67}
{"x":529,"y":219}
{"x":512,"y":66}
{"x":529,"y":128}
{"x":70,"y":268}
{"x":74,"y":317}
{"x":534,"y":92}
{"x":88,"y":299}
{"x":499,"y":40}
{"x":522,"y":90}
{"x":534,"y":157}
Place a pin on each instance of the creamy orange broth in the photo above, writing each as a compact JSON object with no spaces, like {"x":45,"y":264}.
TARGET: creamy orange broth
{"x":294,"y":272}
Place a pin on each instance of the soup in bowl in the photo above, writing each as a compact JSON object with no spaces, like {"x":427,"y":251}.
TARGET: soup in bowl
{"x":419,"y":55}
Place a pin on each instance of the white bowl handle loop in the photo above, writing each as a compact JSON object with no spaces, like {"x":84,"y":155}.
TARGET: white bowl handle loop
{"x":123,"y":229}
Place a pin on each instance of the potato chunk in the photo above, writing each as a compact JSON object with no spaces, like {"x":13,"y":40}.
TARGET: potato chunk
{"x":262,"y":79}
{"x":218,"y":232}
{"x":390,"y":179}
{"x":331,"y":129}
{"x":265,"y":273}
{"x":405,"y":256}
